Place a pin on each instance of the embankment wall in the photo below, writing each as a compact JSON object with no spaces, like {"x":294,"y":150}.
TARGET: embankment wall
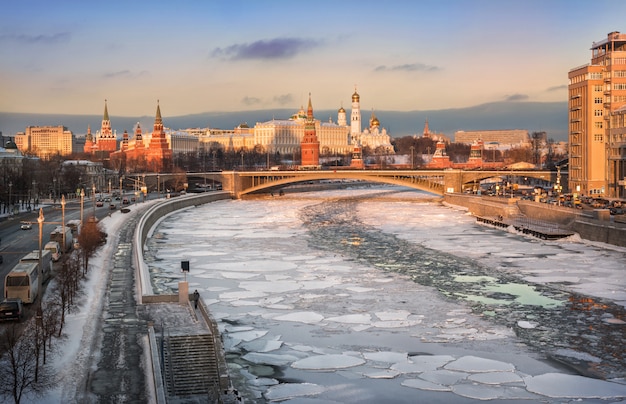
{"x":592,"y":226}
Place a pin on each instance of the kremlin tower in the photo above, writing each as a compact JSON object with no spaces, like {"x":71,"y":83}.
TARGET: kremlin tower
{"x":89,"y":144}
{"x":158,"y":154}
{"x":310,"y":146}
{"x":106,"y":140}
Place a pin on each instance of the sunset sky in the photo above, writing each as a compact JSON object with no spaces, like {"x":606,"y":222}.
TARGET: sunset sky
{"x":67,"y":57}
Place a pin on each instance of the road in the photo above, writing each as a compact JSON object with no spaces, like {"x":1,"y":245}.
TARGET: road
{"x":15,"y":243}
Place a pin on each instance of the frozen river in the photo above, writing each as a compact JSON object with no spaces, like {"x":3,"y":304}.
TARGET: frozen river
{"x":379,"y":295}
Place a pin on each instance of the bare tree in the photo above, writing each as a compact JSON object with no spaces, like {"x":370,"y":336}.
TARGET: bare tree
{"x":19,"y":376}
{"x":91,"y":237}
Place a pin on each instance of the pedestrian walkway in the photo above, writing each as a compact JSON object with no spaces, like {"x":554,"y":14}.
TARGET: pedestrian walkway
{"x":120,"y":373}
{"x":535,"y":228}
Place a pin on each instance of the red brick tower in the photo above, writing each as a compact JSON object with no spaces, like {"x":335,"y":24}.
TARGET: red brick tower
{"x":158,"y":153}
{"x":310,"y":145}
{"x":89,"y":144}
{"x":106,"y":141}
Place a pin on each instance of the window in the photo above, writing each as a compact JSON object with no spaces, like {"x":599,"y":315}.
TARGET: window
{"x":619,"y":86}
{"x":597,"y":87}
{"x":619,"y":73}
{"x":597,"y":137}
{"x":597,"y":112}
{"x":597,"y":100}
{"x":595,"y":76}
{"x":598,"y":125}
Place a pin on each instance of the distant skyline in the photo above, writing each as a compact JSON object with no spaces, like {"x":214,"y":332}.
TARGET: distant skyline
{"x":67,"y":57}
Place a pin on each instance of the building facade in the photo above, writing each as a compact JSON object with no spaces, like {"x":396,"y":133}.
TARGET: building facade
{"x":284,"y":136}
{"x":596,"y":94}
{"x":510,"y":137}
{"x":45,"y":141}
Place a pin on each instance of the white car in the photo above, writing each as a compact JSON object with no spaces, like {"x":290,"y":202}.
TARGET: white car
{"x":26,"y":226}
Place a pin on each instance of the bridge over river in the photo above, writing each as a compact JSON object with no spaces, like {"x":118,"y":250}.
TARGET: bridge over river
{"x":240,"y":183}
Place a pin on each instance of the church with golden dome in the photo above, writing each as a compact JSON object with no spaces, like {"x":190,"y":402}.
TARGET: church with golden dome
{"x":285,"y":136}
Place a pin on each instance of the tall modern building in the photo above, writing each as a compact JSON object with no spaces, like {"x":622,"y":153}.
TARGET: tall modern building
{"x":596,"y":95}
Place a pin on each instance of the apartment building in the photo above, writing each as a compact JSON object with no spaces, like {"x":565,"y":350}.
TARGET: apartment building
{"x":596,"y":95}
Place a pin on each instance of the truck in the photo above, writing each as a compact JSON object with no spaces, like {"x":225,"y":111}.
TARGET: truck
{"x":58,"y":236}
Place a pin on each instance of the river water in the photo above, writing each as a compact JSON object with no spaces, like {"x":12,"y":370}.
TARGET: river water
{"x":378,"y":294}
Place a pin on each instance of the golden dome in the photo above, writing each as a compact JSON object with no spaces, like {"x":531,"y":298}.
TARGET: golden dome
{"x":342,"y":111}
{"x":355,"y":97}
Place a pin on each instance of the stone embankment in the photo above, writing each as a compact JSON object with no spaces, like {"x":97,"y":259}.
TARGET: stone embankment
{"x":593,"y":225}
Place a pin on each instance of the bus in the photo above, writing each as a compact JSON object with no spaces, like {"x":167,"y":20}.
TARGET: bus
{"x":46,"y":262}
{"x":22,"y":282}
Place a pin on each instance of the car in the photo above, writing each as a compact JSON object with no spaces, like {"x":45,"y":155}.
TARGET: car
{"x":125,"y":201}
{"x":99,"y":204}
{"x":11,"y":309}
{"x":26,"y":226}
{"x":112,"y":206}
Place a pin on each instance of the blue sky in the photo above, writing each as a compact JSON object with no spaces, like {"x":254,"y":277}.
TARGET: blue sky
{"x":67,"y":57}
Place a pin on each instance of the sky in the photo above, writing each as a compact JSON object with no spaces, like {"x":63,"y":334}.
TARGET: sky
{"x":68,"y":56}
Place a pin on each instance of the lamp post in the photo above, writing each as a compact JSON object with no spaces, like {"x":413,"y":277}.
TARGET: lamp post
{"x":412,"y":150}
{"x":63,"y":220}
{"x":158,"y":186}
{"x":40,"y":220}
{"x":93,"y":199}
{"x":10,"y":204}
{"x":241,"y":160}
{"x":82,"y":204}
{"x":214,"y":152}
{"x":121,"y":179}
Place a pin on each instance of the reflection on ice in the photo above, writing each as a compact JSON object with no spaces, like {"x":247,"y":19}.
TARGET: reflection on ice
{"x":573,"y":386}
{"x":283,"y":392}
{"x":328,"y":362}
{"x":476,"y":364}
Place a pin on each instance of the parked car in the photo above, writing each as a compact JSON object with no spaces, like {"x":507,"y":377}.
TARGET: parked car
{"x":26,"y":226}
{"x":11,"y":309}
{"x":99,"y":204}
{"x":112,"y":206}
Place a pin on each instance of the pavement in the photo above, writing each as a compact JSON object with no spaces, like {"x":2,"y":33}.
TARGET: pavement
{"x":120,"y":375}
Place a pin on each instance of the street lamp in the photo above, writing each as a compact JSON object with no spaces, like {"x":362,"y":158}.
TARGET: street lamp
{"x":242,"y":160}
{"x":93,"y":199}
{"x":10,"y":202}
{"x":63,"y":220}
{"x":158,"y":186}
{"x":40,"y":220}
{"x":82,"y":204}
{"x":412,"y":149}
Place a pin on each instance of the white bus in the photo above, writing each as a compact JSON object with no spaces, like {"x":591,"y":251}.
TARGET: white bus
{"x":22,"y":282}
{"x":46,"y":262}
